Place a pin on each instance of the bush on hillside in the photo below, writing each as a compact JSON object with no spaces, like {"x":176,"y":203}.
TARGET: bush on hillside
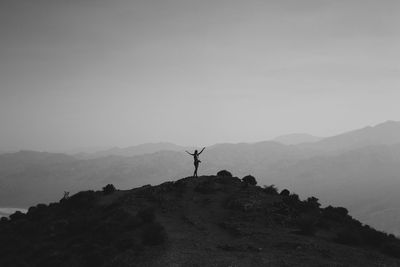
{"x":285,"y":193}
{"x":17,"y":215}
{"x":292,"y":200}
{"x":108,"y":189}
{"x":224,"y":173}
{"x":373,"y":237}
{"x":335,"y":213}
{"x":271,"y":189}
{"x":249,"y":179}
{"x":312,"y":203}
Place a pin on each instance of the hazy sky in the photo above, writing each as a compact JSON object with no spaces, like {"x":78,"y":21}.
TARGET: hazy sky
{"x":81,"y":73}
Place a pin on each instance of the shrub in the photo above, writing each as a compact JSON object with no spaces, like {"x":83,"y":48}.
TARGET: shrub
{"x":272,"y":189}
{"x":224,"y":173}
{"x":249,"y":179}
{"x":312,"y":203}
{"x":285,"y":192}
{"x":372,"y":237}
{"x":108,"y":189}
{"x":292,"y":200}
{"x":335,"y":213}
{"x":16,"y":215}
{"x":154,"y":234}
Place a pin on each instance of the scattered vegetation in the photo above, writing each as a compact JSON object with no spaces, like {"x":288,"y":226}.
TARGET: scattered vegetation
{"x":224,"y":173}
{"x":249,"y":179}
{"x":312,"y":203}
{"x":337,"y":214}
{"x":271,"y":189}
{"x":77,"y":232}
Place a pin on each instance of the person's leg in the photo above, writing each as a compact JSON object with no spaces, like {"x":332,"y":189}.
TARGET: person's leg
{"x":195,"y":170}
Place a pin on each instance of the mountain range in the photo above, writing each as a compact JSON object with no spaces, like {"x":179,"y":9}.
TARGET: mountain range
{"x":141,"y":149}
{"x":295,"y":139}
{"x":358,"y":169}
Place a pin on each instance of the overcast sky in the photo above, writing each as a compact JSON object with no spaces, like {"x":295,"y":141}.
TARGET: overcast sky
{"x":82,"y":73}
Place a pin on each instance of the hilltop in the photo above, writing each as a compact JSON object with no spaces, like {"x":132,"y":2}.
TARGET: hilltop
{"x":207,"y":221}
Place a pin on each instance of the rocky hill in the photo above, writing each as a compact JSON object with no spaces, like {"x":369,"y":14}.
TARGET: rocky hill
{"x":207,"y":221}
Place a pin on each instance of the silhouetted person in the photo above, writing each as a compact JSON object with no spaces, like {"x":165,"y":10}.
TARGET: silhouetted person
{"x":196,"y":160}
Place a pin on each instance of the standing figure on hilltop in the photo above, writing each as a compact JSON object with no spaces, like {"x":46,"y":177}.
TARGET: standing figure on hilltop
{"x":196,"y":160}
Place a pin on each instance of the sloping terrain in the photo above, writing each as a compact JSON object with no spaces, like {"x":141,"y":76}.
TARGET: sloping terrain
{"x":206,"y":221}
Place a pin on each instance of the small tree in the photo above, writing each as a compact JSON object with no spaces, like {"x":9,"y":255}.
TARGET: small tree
{"x":312,"y":203}
{"x":249,"y":179}
{"x":65,"y":197}
{"x":108,"y":189}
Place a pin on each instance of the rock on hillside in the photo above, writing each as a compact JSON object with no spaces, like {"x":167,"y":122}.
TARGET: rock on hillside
{"x":206,"y":221}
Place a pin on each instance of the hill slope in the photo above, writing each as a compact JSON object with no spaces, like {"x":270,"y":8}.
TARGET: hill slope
{"x":205,"y":221}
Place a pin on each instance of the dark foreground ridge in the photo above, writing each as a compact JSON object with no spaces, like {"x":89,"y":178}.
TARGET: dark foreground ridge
{"x":207,"y":221}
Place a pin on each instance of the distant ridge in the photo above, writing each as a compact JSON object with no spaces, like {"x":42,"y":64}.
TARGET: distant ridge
{"x":297,"y":138}
{"x":131,"y":151}
{"x":387,"y":133}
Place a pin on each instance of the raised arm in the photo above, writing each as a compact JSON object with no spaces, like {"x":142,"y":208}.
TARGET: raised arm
{"x":189,"y":153}
{"x":202,"y":150}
